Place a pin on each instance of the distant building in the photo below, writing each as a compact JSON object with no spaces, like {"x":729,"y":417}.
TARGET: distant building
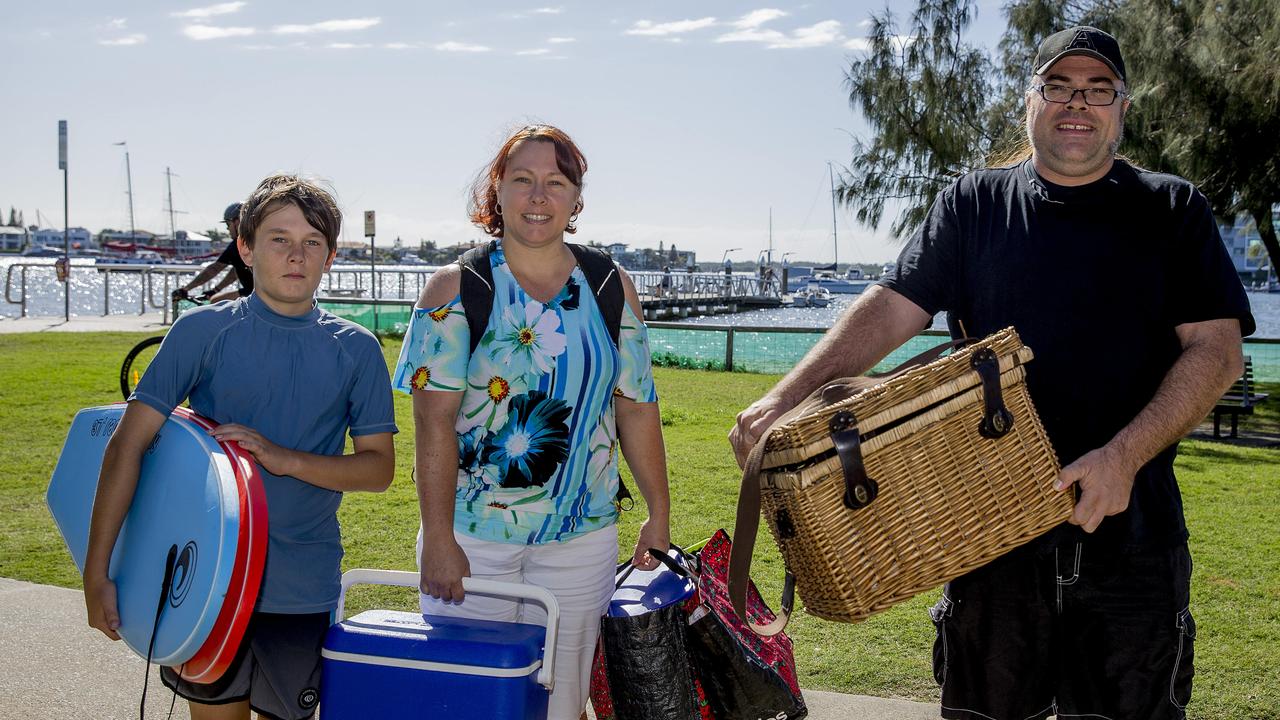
{"x":191,"y":244}
{"x":1238,"y":236}
{"x":12,"y":239}
{"x":124,"y":236}
{"x":81,"y":239}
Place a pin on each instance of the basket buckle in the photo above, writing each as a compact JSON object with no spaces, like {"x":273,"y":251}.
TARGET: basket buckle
{"x":997,"y":421}
{"x":859,"y":489}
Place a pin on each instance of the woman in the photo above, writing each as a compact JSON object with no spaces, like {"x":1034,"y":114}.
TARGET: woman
{"x":515,"y":441}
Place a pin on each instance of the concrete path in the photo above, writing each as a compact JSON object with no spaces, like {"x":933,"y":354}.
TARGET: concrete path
{"x":151,"y":322}
{"x":53,"y":665}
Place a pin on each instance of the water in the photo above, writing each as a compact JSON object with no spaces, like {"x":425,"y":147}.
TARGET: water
{"x":133,"y":292}
{"x":44,"y":295}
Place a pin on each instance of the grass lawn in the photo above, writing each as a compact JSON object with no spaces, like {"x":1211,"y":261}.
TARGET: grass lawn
{"x":1231,"y":493}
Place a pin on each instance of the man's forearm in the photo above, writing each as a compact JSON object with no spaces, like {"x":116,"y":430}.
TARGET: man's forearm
{"x":878,"y":322}
{"x":1205,"y":369}
{"x":204,"y":275}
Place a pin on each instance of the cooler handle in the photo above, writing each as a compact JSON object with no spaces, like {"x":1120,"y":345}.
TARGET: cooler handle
{"x":480,"y":586}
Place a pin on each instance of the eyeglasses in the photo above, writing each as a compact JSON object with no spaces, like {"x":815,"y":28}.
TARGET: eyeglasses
{"x":1062,"y":94}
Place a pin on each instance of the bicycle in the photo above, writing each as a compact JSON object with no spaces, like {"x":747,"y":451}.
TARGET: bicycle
{"x":140,"y":356}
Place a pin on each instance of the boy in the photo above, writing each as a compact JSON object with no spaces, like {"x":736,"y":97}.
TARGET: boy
{"x":286,"y":381}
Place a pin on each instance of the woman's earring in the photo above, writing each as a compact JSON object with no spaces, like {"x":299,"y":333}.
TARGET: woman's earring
{"x":497,"y":208}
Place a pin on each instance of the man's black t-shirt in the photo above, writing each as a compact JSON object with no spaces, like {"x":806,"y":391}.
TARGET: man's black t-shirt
{"x":1095,"y":278}
{"x":244,"y":274}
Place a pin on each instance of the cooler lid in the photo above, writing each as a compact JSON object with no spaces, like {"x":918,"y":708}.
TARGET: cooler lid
{"x":431,"y":638}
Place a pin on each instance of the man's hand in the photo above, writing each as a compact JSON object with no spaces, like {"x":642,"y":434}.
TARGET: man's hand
{"x":1105,"y":477}
{"x":654,"y":534}
{"x":100,"y":602}
{"x":443,"y":565}
{"x":752,"y":423}
{"x":275,"y":459}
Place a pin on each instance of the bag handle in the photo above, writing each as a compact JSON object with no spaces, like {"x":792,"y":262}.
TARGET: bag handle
{"x":625,"y":569}
{"x":748,"y":519}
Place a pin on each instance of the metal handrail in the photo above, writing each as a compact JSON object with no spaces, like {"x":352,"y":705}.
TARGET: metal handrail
{"x":8,"y":285}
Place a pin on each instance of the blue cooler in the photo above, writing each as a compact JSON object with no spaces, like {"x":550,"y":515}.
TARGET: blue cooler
{"x":384,"y":663}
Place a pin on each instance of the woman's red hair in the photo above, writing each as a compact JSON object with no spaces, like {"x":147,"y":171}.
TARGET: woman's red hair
{"x":483,"y":205}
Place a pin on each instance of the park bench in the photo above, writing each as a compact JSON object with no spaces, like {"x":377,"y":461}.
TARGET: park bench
{"x":1237,"y":401}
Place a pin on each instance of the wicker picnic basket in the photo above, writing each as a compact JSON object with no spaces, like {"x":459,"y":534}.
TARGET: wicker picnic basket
{"x":877,"y":489}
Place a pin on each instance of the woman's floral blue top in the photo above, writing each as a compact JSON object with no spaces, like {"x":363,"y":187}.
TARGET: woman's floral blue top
{"x":536,"y":434}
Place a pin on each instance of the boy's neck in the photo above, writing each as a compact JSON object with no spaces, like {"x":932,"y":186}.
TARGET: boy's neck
{"x":286,"y":309}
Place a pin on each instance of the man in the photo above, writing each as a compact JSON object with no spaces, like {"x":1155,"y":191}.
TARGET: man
{"x":229,"y":257}
{"x":1117,"y":279}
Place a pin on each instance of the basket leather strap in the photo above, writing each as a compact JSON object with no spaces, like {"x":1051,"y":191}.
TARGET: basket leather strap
{"x":748,"y":519}
{"x":744,"y":543}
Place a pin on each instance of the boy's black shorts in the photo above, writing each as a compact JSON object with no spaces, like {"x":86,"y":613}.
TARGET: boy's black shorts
{"x":1074,"y":632}
{"x":277,"y":668}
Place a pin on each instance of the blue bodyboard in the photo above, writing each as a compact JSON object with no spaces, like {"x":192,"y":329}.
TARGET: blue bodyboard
{"x":187,"y":498}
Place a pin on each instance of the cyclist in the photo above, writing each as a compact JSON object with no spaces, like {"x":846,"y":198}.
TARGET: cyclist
{"x":229,"y":258}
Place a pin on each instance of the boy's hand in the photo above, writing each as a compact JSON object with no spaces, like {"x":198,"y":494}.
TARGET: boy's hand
{"x":100,"y":601}
{"x":275,"y":459}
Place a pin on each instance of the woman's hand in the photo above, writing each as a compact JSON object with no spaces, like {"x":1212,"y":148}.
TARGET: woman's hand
{"x":654,"y":534}
{"x":443,"y":565}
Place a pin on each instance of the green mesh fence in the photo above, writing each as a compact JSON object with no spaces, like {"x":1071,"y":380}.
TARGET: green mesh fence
{"x":391,"y":318}
{"x":757,"y":350}
{"x":1266,"y":359}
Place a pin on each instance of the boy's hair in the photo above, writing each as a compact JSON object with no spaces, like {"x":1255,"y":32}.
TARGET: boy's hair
{"x":316,"y":203}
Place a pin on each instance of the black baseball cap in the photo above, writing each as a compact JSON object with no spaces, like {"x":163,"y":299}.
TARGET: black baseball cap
{"x":231,"y":213}
{"x":1080,"y":40}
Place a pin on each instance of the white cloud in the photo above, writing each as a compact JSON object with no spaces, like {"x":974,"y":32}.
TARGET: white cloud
{"x":858,"y":44}
{"x":210,"y":32}
{"x":756,"y":18}
{"x":548,"y":10}
{"x":650,"y":28}
{"x":539,"y":51}
{"x":328,"y":26}
{"x":560,"y":40}
{"x":820,"y":34}
{"x":210,"y":10}
{"x":454,"y":46}
{"x":117,"y":23}
{"x":134,"y":39}
{"x":347,"y":46}
{"x":400,"y":46}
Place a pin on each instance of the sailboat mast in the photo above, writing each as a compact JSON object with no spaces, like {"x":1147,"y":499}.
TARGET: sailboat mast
{"x":128,"y":175}
{"x":173,"y":229}
{"x":835,"y":241}
{"x":770,"y":235}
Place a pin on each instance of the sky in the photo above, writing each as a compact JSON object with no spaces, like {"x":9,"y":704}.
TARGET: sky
{"x":697,"y":118}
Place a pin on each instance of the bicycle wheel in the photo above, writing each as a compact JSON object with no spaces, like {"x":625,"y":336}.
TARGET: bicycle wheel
{"x":136,"y":362}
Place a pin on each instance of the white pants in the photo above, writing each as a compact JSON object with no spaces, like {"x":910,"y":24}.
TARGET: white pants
{"x":579,"y":573}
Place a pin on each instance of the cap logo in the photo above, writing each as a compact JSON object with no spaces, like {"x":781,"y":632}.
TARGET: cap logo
{"x":1082,"y":41}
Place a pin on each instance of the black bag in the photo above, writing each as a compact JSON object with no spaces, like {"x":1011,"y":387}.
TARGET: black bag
{"x":737,"y":684}
{"x":647,"y":663}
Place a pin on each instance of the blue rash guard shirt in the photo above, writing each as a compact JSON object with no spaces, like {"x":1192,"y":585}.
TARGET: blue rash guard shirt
{"x":302,"y":382}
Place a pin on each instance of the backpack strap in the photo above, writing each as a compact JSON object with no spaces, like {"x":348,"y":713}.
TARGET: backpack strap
{"x":606,"y":284}
{"x":477,"y":289}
